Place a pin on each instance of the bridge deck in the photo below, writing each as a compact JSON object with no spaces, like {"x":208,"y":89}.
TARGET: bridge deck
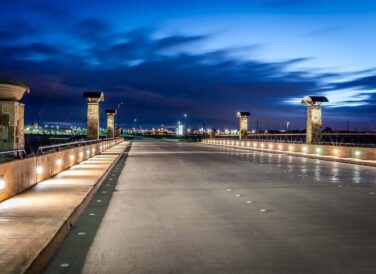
{"x":189,"y":208}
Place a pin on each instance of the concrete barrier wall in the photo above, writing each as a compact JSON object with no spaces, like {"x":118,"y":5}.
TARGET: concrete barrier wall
{"x":313,"y":151}
{"x":18,"y":175}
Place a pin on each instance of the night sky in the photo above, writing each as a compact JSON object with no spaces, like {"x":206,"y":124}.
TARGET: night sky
{"x":206,"y":58}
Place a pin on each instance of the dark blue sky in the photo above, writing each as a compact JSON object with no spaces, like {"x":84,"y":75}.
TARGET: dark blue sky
{"x":208,"y":58}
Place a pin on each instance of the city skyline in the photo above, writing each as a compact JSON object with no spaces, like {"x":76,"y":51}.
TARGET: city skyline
{"x":212,"y":59}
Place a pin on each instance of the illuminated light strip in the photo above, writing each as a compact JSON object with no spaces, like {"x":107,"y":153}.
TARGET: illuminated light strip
{"x":317,"y":150}
{"x":2,"y":182}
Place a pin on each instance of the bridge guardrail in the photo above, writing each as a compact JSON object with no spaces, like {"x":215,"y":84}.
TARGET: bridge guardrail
{"x":19,"y":175}
{"x":340,"y":153}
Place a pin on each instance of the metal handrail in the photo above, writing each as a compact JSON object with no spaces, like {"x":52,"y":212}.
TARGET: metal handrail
{"x":78,"y":143}
{"x":14,"y":151}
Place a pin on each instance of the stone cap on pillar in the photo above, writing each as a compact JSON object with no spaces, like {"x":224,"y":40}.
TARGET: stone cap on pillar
{"x":243,"y":114}
{"x":12,"y":91}
{"x":93,"y":96}
{"x":110,"y":111}
{"x":314,"y":100}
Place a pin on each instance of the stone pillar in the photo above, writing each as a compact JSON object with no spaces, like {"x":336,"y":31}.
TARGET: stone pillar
{"x":212,"y":133}
{"x":110,"y":123}
{"x":12,"y":115}
{"x":314,"y":125}
{"x":93,"y":99}
{"x":118,"y":132}
{"x":11,"y":125}
{"x":243,"y":124}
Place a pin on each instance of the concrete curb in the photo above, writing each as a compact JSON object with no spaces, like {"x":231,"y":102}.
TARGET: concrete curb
{"x":42,"y":259}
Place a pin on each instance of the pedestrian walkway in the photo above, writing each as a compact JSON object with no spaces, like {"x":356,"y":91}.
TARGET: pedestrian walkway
{"x":182,"y":208}
{"x":34,"y":223}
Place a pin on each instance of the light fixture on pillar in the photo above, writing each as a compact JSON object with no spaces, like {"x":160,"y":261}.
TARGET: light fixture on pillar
{"x":243,"y":124}
{"x":110,"y":122}
{"x":314,"y":118}
{"x":93,"y":99}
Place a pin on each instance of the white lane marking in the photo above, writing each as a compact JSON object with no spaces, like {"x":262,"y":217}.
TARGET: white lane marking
{"x":81,"y":233}
{"x":64,"y":265}
{"x":249,"y":202}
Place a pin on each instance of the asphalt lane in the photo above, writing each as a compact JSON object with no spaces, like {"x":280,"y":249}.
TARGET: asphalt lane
{"x":193,"y":208}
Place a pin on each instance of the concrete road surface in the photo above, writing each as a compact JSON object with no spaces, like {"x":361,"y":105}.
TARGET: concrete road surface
{"x":193,"y":208}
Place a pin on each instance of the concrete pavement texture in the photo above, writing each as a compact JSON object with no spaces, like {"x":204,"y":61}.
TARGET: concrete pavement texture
{"x":34,"y":223}
{"x":190,"y":208}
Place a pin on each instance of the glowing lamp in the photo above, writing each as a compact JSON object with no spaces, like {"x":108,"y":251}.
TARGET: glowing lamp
{"x":39,"y":169}
{"x":2,"y":183}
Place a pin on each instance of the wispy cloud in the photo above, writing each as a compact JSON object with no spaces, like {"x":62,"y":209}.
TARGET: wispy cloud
{"x":160,"y":78}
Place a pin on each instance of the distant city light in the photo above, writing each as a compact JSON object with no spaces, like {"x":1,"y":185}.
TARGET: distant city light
{"x":180,"y":129}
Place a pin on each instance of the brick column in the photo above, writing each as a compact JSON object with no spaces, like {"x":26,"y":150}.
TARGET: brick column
{"x":243,"y":124}
{"x":12,"y":116}
{"x":314,"y":125}
{"x":110,"y":123}
{"x":93,"y":99}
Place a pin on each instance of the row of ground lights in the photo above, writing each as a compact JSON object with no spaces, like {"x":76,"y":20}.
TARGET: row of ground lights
{"x":291,"y":148}
{"x":59,"y":162}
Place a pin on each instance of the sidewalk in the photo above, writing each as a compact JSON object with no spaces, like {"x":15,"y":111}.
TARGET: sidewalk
{"x":33,"y":224}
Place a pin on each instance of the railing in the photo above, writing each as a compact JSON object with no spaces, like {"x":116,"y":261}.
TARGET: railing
{"x":22,"y":174}
{"x":342,"y":139}
{"x":52,"y":148}
{"x":343,"y":153}
{"x":58,"y":147}
{"x":17,"y":154}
